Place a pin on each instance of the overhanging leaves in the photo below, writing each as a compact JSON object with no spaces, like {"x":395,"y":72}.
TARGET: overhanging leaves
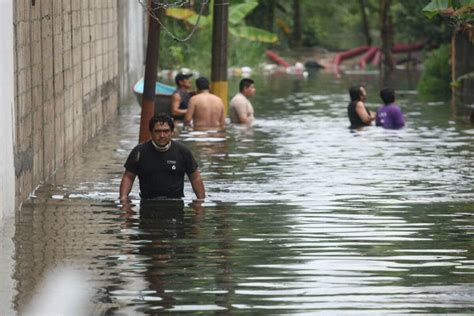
{"x":253,"y":34}
{"x":239,"y":11}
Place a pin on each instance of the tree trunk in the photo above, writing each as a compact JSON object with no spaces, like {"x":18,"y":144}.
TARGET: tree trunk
{"x":386,"y":33}
{"x":296,"y":38}
{"x":365,"y":22}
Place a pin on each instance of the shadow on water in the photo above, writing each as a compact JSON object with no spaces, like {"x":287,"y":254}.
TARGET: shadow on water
{"x":302,"y":216}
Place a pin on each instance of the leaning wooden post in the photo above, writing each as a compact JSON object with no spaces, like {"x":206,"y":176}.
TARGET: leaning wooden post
{"x":151,"y":65}
{"x":219,"y":84}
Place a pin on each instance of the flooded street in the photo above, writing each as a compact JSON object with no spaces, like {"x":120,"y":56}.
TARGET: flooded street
{"x":303,"y":216}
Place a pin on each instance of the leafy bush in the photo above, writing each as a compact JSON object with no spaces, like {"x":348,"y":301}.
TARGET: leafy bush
{"x":436,"y":77}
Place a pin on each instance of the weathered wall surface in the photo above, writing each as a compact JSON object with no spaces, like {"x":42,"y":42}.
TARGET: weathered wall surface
{"x":66,"y":82}
{"x":7,"y":176}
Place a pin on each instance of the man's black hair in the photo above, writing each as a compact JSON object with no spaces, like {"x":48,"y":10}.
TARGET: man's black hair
{"x":355,"y":93}
{"x":202,"y":83}
{"x":161,"y":118}
{"x":245,"y":83}
{"x":387,"y":95}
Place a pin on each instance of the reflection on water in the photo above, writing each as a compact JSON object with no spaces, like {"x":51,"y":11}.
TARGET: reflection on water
{"x":303,"y":215}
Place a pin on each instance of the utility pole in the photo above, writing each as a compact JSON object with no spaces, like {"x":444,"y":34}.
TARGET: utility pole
{"x":219,"y":85}
{"x":151,"y":66}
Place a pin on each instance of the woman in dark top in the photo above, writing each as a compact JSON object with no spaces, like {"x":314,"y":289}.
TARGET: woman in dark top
{"x":359,"y":115}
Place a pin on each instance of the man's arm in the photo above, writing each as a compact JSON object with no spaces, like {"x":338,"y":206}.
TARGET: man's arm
{"x":126,"y":184}
{"x":197,"y":184}
{"x":175,"y":101}
{"x":188,"y":117}
{"x":241,"y":111}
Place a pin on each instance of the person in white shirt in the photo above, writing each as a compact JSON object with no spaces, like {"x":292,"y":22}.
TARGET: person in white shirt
{"x":241,"y":110}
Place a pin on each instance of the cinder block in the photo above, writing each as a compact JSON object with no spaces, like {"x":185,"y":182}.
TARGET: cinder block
{"x":57,"y":24}
{"x":76,"y":19}
{"x":66,"y":5}
{"x":58,"y":84}
{"x":76,"y":5}
{"x":87,"y":34}
{"x":38,"y":170}
{"x":67,"y":21}
{"x":23,"y":57}
{"x":68,"y":79}
{"x":59,"y":141}
{"x":46,"y":28}
{"x":78,"y":97}
{"x":24,"y":104}
{"x":46,"y":9}
{"x":49,"y":162}
{"x":57,"y":7}
{"x":76,"y":56}
{"x":48,"y":90}
{"x":37,"y":97}
{"x":86,"y":52}
{"x":67,"y":41}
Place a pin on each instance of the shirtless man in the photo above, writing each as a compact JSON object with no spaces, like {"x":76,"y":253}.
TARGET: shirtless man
{"x":204,"y":109}
{"x":241,"y":110}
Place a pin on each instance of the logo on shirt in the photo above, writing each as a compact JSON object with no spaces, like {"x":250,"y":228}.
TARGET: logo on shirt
{"x":173,"y":163}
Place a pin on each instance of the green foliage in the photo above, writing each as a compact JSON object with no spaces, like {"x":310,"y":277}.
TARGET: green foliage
{"x":196,"y":53}
{"x":237,"y":27}
{"x":245,"y":46}
{"x":435,"y":7}
{"x":436,"y":78}
{"x":412,"y":25}
{"x":333,"y":24}
{"x":252,"y":34}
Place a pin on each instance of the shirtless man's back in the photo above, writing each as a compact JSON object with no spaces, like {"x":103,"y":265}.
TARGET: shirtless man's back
{"x":205,"y":109}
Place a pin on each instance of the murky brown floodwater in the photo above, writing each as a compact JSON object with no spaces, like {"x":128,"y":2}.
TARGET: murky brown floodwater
{"x":303,"y":216}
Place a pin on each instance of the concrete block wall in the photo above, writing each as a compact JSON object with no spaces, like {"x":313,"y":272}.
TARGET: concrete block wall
{"x":66,"y":82}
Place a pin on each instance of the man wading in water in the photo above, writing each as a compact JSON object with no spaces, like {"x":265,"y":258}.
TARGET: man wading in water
{"x":160,"y":165}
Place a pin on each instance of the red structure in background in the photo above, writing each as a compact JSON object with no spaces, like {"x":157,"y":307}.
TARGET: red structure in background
{"x":368,"y":56}
{"x":349,"y":54}
{"x":277,"y":58}
{"x":373,"y":53}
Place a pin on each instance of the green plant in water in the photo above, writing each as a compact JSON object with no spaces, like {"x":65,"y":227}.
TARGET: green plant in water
{"x":436,"y":78}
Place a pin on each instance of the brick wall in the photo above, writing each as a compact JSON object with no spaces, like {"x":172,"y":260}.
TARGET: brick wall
{"x":66,"y":82}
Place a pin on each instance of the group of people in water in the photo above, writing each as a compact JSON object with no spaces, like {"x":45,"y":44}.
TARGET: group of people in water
{"x":204,"y":109}
{"x":161,"y":162}
{"x":389,"y":115}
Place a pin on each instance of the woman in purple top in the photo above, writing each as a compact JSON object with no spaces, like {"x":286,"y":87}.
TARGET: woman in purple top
{"x":389,"y":115}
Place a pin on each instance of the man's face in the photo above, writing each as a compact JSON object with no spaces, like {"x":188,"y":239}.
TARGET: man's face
{"x":161,"y":134}
{"x":185,"y":83}
{"x":249,"y":91}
